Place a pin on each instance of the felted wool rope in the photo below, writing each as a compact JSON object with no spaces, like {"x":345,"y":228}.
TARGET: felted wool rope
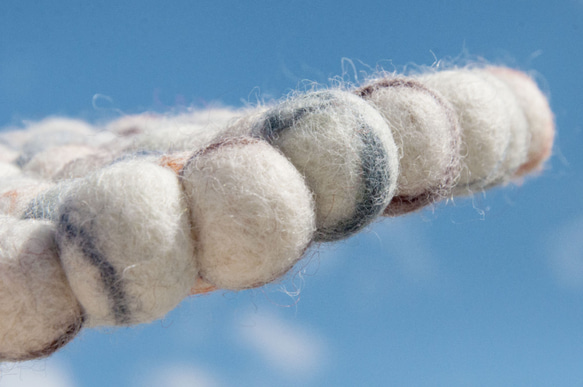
{"x":115,"y":225}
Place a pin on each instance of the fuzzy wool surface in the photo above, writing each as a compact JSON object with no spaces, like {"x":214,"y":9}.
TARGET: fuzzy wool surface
{"x":251,"y":211}
{"x":50,"y":162}
{"x":167,"y":133}
{"x":48,"y":133}
{"x":517,"y":151}
{"x":346,"y":152}
{"x":125,"y":243}
{"x":538,"y":114}
{"x":7,"y":154}
{"x":486,"y":112}
{"x":18,"y":190}
{"x":39,"y":311}
{"x":427,"y":134}
{"x":8,"y":170}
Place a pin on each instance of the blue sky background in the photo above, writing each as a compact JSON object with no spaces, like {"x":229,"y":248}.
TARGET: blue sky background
{"x":483,"y":292}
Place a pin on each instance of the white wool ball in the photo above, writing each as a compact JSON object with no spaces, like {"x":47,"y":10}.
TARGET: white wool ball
{"x":45,"y":205}
{"x":48,"y":133}
{"x":18,"y":191}
{"x":85,"y":165}
{"x":214,"y":116}
{"x":252,"y":214}
{"x":7,"y":155}
{"x":517,"y":150}
{"x":125,"y":243}
{"x":132,"y":132}
{"x":538,"y":114}
{"x":426,"y":131}
{"x":9,"y":170}
{"x":174,"y":136}
{"x":50,"y":162}
{"x":131,"y":125}
{"x":39,"y":311}
{"x":171,"y":133}
{"x":13,"y":138}
{"x":344,"y":149}
{"x":485,"y":120}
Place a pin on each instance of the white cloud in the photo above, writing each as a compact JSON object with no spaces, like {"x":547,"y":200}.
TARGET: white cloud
{"x":179,"y":375}
{"x":566,"y":254}
{"x":39,"y":373}
{"x":286,"y":347}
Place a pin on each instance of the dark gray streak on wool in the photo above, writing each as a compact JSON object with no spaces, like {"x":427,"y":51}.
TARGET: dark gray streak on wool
{"x":112,"y":282}
{"x":375,"y":171}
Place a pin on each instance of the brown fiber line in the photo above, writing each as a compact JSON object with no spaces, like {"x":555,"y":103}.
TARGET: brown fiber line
{"x":72,"y":331}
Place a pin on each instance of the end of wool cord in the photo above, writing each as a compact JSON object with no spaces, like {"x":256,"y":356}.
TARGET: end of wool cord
{"x":494,"y":130}
{"x":538,"y":113}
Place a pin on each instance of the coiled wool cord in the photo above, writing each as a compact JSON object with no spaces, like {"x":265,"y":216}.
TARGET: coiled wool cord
{"x":117,"y":226}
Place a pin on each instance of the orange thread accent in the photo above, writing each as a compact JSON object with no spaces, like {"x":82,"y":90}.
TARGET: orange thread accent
{"x":202,"y":287}
{"x":175,"y":162}
{"x":12,"y":195}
